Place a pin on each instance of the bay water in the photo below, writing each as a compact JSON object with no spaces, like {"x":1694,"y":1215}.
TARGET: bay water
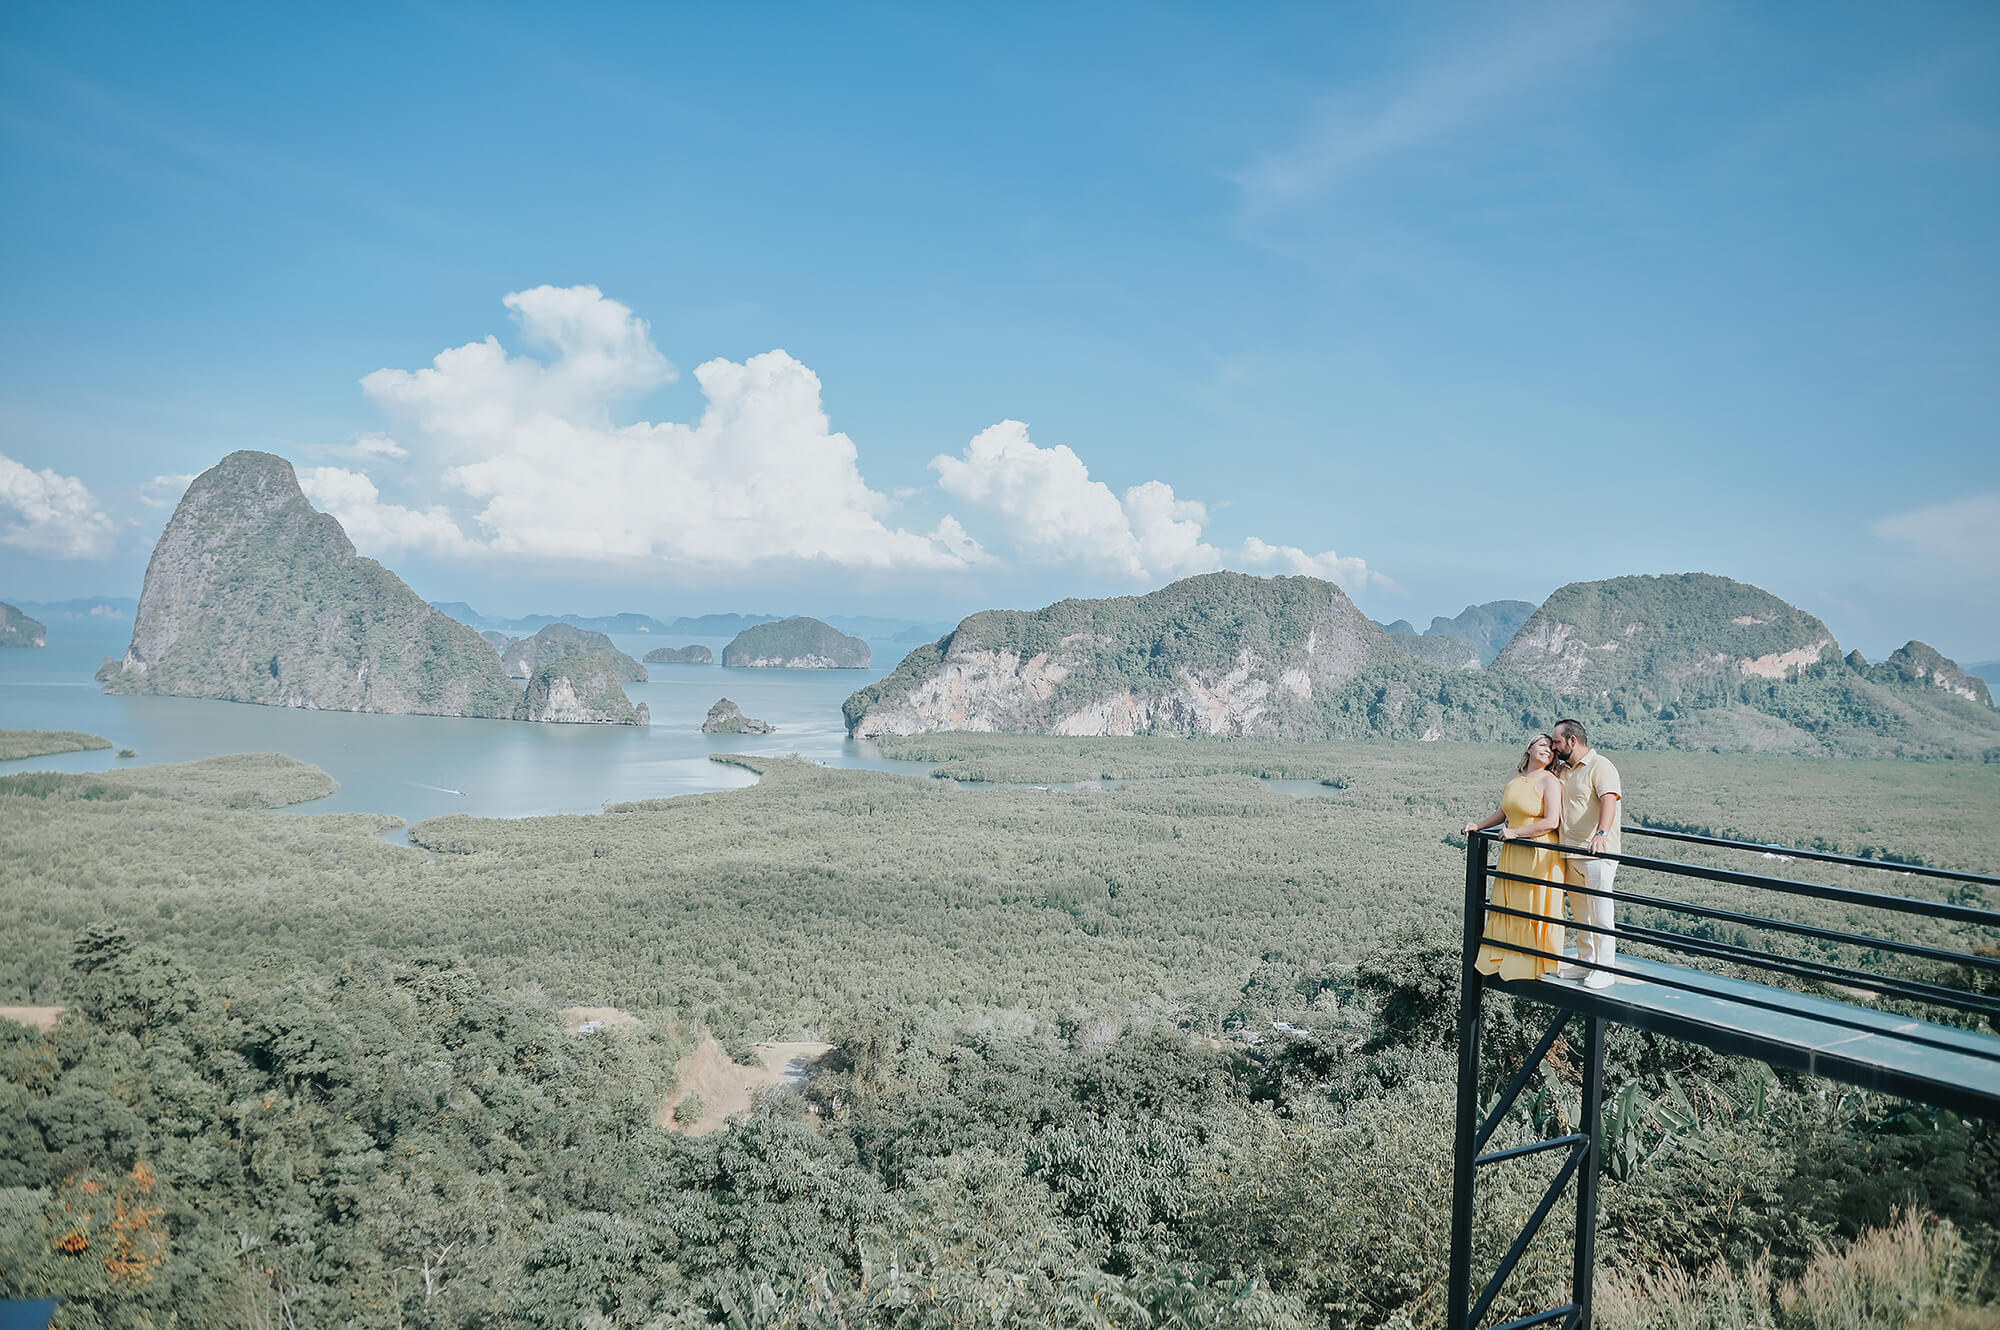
{"x":416,"y":767}
{"x":424,"y":766}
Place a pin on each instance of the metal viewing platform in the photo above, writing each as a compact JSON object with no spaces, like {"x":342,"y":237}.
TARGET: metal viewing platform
{"x":1954,"y":973}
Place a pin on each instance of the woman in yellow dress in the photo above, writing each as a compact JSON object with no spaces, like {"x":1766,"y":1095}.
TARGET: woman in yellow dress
{"x":1531,"y":808}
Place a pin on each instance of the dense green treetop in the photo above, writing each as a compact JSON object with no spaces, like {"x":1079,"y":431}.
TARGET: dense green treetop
{"x":799,"y":643}
{"x":556,"y":641}
{"x":18,"y":630}
{"x":252,"y":595}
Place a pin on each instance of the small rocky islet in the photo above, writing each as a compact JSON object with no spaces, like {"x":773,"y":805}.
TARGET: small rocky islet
{"x":690,"y":655}
{"x":725,"y":717}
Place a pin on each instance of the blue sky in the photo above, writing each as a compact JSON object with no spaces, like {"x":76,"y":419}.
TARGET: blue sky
{"x":912,"y":311}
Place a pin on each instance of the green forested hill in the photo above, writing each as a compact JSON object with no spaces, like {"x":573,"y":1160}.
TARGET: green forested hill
{"x":1484,"y":628}
{"x":254,"y":596}
{"x":688,"y":655}
{"x":557,"y":641}
{"x":1653,"y":640}
{"x":1219,"y":654}
{"x":18,"y":630}
{"x":1690,"y":661}
{"x":799,"y":643}
{"x":580,"y":690}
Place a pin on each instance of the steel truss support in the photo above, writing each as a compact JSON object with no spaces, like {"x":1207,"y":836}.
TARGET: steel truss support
{"x":1583,"y":1147}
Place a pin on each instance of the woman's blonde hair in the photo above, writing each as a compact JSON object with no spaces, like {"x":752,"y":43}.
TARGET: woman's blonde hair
{"x":1556,"y":764}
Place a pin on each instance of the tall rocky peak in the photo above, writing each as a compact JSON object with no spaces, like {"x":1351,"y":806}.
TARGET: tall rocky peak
{"x":1922,"y":663}
{"x":253,"y":595}
{"x":1658,"y":637}
{"x":1222,"y":653}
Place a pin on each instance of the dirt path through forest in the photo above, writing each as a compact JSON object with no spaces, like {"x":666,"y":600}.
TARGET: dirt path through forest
{"x":725,"y":1087}
{"x":39,"y":1018}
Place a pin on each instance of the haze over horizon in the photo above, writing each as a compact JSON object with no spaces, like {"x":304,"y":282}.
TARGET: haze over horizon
{"x":910,"y":316}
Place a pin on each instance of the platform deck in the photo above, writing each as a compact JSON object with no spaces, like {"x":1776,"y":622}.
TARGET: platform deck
{"x":1894,"y":1054}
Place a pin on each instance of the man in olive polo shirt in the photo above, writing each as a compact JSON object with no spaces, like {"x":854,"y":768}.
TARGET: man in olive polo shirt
{"x":1592,"y":799}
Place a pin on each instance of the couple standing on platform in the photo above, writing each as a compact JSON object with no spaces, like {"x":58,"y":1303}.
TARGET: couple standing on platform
{"x":1564,"y":792}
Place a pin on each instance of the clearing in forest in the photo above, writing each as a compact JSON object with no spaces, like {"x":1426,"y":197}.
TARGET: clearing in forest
{"x":726,"y":1087}
{"x":597,"y":1018}
{"x":35,"y":1018}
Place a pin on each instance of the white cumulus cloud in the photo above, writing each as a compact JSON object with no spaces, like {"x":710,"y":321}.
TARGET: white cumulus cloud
{"x":1962,"y":531}
{"x":46,"y":512}
{"x":165,"y":491}
{"x":380,"y":445}
{"x":1053,"y":513}
{"x":533,"y":446}
{"x":374,"y":525}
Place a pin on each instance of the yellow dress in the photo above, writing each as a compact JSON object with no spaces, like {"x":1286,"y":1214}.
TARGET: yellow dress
{"x":1522,"y":802}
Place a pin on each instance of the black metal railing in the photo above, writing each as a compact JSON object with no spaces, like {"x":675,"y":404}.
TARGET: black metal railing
{"x":1967,"y":953}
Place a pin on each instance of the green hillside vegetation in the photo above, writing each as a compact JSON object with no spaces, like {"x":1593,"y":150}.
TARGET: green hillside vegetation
{"x":241,"y":780}
{"x":1440,"y":652}
{"x":1920,"y":663}
{"x":1020,"y":758}
{"x":254,"y":596}
{"x":1145,"y":645}
{"x":1488,"y":627}
{"x":18,"y":630}
{"x":1057,"y":1096}
{"x":15,"y":744}
{"x":689,"y":655}
{"x":1646,"y":662}
{"x":1652,"y":641}
{"x":799,"y":643}
{"x":560,"y":641}
{"x":580,"y":690}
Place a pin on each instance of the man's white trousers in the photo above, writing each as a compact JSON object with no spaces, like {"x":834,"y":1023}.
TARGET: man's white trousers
{"x":1595,"y":948}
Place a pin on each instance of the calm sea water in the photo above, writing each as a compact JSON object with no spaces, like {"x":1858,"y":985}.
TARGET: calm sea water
{"x":424,"y":766}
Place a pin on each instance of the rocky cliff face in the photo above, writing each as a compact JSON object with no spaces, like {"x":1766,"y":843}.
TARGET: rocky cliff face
{"x":795,"y":644}
{"x":725,"y":717}
{"x":557,"y":641}
{"x":1656,"y":638}
{"x":252,"y":595}
{"x":1922,"y":664}
{"x":18,"y":630}
{"x":580,"y":690}
{"x":1220,"y":654}
{"x":694,"y":655}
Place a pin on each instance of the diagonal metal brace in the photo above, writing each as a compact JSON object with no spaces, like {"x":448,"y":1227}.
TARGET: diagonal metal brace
{"x":1533,"y":1226}
{"x":1520,"y":1081}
